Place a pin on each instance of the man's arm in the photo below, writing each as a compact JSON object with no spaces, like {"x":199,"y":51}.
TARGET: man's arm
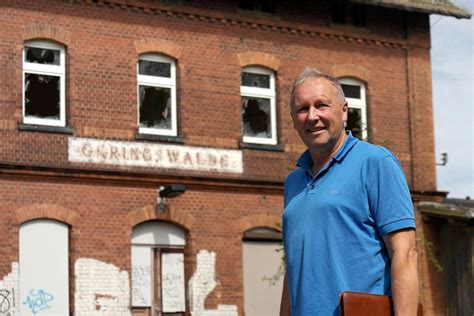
{"x":285,"y":309}
{"x":401,"y":246}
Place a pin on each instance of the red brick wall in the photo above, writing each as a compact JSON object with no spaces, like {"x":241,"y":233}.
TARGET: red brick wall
{"x":211,"y":42}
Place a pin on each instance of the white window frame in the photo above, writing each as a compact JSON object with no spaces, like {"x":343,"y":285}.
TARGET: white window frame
{"x":267,"y":93}
{"x":163,"y":82}
{"x":49,"y":70}
{"x":360,"y":104}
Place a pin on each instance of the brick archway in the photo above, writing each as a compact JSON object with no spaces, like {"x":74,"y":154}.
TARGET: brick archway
{"x":259,"y":220}
{"x":48,"y":211}
{"x":259,"y":59}
{"x":158,"y":46}
{"x":47,"y":32}
{"x":350,"y":70}
{"x":148,"y":213}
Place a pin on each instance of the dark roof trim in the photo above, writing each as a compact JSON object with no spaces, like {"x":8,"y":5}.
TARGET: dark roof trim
{"x":442,"y":7}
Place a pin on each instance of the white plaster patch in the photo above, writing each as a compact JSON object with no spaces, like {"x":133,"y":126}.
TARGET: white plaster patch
{"x":9,"y":293}
{"x":122,"y":153}
{"x":101,"y":289}
{"x":202,"y":283}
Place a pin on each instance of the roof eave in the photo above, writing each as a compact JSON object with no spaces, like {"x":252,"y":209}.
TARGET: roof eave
{"x":445,"y":10}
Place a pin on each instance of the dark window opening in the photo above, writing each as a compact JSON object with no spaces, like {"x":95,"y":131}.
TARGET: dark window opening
{"x":255,"y":80}
{"x":354,"y":122}
{"x":42,"y":96}
{"x":338,"y":12}
{"x":42,"y":56}
{"x":351,"y":91}
{"x":155,"y":107}
{"x":358,"y":15}
{"x":267,"y":6}
{"x":256,"y":117}
{"x":153,"y":68}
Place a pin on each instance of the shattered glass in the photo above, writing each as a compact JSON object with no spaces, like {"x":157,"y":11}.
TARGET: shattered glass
{"x":155,"y":107}
{"x":351,"y":91}
{"x":354,"y":122}
{"x":255,"y":80}
{"x":42,"y":56}
{"x":154,"y":68}
{"x":256,"y":117}
{"x":42,"y":96}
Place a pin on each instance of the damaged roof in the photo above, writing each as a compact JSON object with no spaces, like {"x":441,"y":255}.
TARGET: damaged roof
{"x":458,"y":209}
{"x":442,"y":7}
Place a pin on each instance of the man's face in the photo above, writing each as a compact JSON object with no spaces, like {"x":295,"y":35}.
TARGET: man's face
{"x":318,"y":114}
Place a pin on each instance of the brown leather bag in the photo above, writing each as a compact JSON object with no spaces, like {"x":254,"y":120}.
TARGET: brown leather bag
{"x":364,"y":304}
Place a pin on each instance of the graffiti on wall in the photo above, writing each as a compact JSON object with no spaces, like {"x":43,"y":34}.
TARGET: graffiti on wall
{"x":38,"y":300}
{"x":7,"y":301}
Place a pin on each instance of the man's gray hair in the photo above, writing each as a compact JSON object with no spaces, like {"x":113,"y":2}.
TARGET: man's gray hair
{"x":313,"y":73}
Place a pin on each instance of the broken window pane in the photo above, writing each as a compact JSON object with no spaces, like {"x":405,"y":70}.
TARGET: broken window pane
{"x":351,"y":91}
{"x":155,"y":107}
{"x":42,"y":96}
{"x":42,"y":55}
{"x":154,"y":68}
{"x":256,"y":117}
{"x":354,"y":122}
{"x":255,"y":80}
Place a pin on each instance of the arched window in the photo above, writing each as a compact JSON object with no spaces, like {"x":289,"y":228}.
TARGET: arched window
{"x":156,"y":77}
{"x":158,"y":268}
{"x":44,"y":267}
{"x":354,"y":90}
{"x":257,"y":91}
{"x":263,"y":283}
{"x":44,"y":83}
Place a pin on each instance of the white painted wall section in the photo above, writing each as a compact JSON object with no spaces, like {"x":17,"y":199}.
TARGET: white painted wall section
{"x":202,"y":283}
{"x":101,"y":289}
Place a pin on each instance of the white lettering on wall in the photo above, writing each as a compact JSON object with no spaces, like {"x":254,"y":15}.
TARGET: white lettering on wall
{"x":154,"y":155}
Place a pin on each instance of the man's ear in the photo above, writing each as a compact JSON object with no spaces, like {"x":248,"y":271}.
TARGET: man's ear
{"x":345,"y":111}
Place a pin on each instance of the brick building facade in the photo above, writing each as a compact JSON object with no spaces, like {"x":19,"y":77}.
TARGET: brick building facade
{"x":89,"y":169}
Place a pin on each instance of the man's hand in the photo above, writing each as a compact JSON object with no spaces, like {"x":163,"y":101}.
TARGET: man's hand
{"x":285,"y":309}
{"x":401,"y":246}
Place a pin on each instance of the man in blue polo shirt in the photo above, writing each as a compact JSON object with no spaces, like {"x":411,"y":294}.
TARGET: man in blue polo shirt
{"x":348,"y":223}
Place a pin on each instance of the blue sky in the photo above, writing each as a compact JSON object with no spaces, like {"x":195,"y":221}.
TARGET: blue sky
{"x":452,"y":65}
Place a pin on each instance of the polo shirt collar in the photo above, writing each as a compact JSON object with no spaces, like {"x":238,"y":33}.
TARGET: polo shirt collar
{"x":306,"y":162}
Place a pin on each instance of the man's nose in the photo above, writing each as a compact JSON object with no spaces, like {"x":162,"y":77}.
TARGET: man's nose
{"x":313,"y":113}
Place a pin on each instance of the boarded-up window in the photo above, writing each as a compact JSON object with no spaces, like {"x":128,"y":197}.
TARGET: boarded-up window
{"x":158,"y":269}
{"x":263,"y":278}
{"x":44,"y":276}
